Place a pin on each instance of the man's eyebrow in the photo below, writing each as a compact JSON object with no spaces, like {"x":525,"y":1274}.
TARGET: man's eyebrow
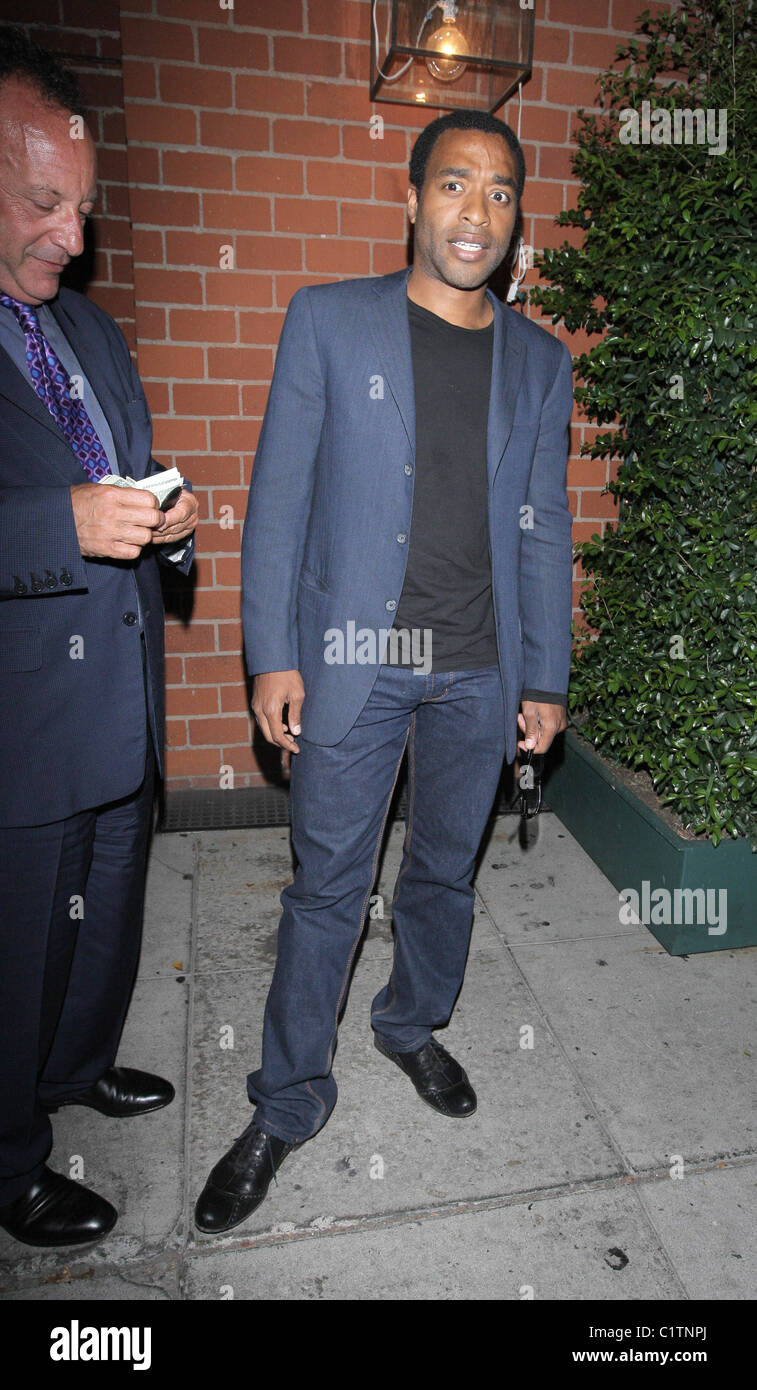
{"x":54,"y":192}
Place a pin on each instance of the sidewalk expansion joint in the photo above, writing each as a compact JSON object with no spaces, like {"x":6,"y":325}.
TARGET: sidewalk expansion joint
{"x":333,"y":1226}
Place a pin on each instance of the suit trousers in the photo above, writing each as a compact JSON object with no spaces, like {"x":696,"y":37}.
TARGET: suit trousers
{"x":71,"y":904}
{"x":452,"y":725}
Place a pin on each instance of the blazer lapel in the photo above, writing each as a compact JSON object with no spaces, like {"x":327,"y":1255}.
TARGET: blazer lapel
{"x":391,"y":333}
{"x":508,"y":360}
{"x":19,"y":391}
{"x":392,"y":337}
{"x":94,"y":370}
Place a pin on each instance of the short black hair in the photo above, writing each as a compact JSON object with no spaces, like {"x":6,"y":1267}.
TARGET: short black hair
{"x":21,"y":57}
{"x":463,"y":120}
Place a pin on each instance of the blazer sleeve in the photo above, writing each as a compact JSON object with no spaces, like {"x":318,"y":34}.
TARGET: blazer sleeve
{"x":38,"y":543}
{"x":280,"y":495}
{"x":546,"y":557}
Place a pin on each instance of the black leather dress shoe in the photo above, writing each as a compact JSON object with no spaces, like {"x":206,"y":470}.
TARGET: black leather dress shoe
{"x":436,"y":1076}
{"x":240,"y":1180}
{"x":57,"y":1211}
{"x":121,"y":1091}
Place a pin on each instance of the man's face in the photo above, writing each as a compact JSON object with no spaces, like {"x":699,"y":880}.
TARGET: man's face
{"x":47,"y":191}
{"x":465,"y":215}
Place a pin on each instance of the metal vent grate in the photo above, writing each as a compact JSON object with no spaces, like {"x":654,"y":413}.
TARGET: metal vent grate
{"x":247,"y":807}
{"x":225,"y":810}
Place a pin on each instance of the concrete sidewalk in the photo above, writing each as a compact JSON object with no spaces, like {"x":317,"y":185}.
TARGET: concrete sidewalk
{"x":559,"y":1187}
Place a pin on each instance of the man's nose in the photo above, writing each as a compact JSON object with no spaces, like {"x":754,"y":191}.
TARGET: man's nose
{"x":476,"y":209}
{"x":69,"y":233}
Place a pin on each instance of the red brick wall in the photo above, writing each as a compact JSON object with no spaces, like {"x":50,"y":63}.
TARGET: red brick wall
{"x":250,"y":128}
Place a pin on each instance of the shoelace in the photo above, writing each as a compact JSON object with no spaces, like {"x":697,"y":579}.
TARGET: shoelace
{"x":268,"y":1148}
{"x":443,"y":1061}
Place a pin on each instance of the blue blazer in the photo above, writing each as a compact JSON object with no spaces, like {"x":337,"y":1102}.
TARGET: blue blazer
{"x":332,"y":489}
{"x":72,"y":706}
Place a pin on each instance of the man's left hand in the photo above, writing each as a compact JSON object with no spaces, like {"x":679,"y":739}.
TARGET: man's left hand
{"x":179,"y":522}
{"x":540,"y":723}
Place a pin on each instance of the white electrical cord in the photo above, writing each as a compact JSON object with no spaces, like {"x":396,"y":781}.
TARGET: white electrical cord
{"x":450,"y":12}
{"x":520,"y":271}
{"x":522,"y":264}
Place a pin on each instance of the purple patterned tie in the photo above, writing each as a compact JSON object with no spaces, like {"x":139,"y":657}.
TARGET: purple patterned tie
{"x":52,"y":384}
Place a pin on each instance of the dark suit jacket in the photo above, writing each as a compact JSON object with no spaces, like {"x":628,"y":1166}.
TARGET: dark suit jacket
{"x":332,"y":490}
{"x":72,"y":706}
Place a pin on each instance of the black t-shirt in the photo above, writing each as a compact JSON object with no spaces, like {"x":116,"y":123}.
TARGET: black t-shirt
{"x":447,"y":586}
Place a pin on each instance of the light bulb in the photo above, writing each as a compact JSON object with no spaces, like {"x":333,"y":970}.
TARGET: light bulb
{"x":447,"y":39}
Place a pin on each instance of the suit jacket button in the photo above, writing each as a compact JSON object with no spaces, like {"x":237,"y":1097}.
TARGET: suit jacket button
{"x":19,"y":587}
{"x":66,"y":577}
{"x":130,"y":619}
{"x":37,"y":584}
{"x":50,"y":580}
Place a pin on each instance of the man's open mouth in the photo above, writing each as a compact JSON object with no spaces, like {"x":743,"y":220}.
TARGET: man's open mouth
{"x":468,"y":247}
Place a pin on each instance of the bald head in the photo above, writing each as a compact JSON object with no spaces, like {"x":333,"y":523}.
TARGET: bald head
{"x":47,"y":190}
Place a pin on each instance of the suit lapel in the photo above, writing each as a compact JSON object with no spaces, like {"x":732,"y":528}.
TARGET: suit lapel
{"x":508,"y":360}
{"x":16,"y":388}
{"x":391,"y":333}
{"x":94,"y":370}
{"x":19,"y":390}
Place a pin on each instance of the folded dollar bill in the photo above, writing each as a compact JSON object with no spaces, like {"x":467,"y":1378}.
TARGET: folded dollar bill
{"x":161,"y":485}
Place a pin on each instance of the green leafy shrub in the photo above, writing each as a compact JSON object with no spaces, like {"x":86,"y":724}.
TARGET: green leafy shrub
{"x":666,"y":658}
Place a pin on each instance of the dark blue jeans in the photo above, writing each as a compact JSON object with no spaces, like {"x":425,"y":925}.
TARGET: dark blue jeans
{"x":453,"y":727}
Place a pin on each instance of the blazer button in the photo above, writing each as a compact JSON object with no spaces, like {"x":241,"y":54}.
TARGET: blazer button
{"x":37,"y":584}
{"x":19,"y":587}
{"x":390,"y":605}
{"x":66,"y":577}
{"x":50,"y":580}
{"x":130,"y":619}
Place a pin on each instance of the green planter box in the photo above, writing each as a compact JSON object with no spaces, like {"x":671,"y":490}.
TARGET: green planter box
{"x":691,"y":896}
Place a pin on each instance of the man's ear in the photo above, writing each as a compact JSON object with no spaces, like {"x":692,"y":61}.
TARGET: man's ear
{"x":412,"y":203}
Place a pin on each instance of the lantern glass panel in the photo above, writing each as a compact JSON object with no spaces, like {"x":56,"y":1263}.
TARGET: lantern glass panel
{"x":494,"y":54}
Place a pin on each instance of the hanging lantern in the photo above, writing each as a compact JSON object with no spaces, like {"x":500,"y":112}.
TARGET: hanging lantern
{"x":452,"y":55}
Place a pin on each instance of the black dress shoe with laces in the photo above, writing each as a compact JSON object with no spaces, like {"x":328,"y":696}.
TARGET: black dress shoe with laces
{"x":121,"y":1091}
{"x":57,"y":1211}
{"x":436,"y":1076}
{"x":240,"y":1180}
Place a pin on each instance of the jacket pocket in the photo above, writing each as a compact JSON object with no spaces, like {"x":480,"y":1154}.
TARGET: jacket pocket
{"x":20,"y":650}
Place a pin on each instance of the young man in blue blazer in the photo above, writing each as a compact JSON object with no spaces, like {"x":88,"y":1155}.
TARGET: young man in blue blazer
{"x":406,"y":588}
{"x":81,"y":662}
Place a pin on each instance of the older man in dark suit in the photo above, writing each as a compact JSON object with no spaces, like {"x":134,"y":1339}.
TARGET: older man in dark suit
{"x":81,"y":662}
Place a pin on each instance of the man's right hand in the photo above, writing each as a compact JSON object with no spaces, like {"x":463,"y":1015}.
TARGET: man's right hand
{"x":114,"y":522}
{"x":271,"y":691}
